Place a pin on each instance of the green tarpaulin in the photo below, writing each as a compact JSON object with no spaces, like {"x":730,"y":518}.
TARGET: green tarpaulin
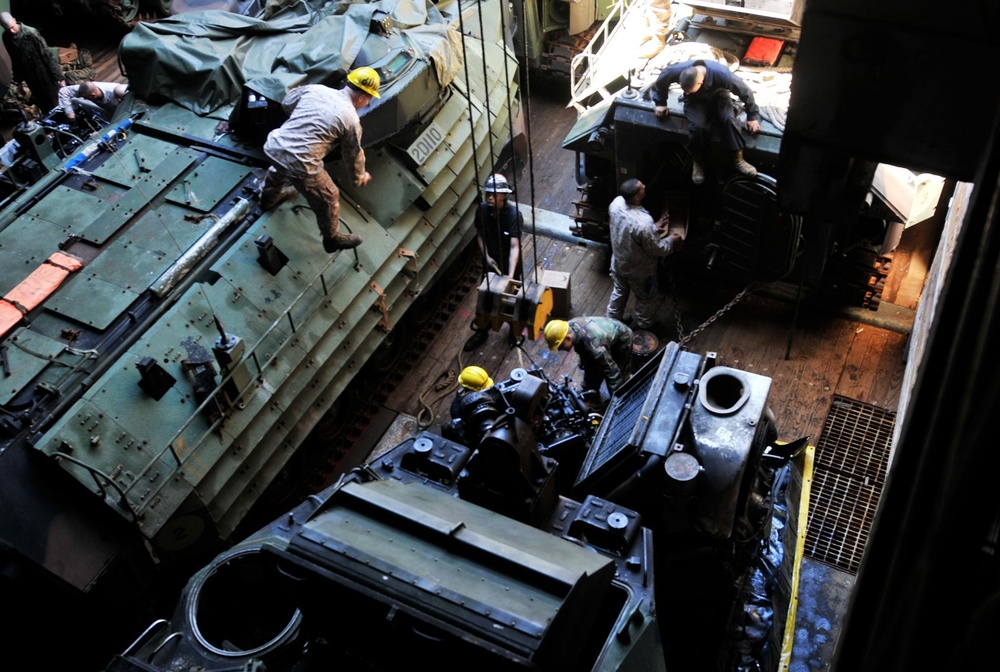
{"x":201,"y":59}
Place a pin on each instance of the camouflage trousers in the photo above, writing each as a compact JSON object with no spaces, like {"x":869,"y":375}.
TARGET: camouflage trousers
{"x":646,"y":299}
{"x":320,"y":192}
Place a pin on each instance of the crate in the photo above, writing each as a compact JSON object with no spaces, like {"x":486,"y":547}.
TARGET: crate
{"x":559,"y":283}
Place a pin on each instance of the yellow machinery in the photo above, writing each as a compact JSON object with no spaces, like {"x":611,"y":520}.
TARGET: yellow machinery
{"x":518,"y":303}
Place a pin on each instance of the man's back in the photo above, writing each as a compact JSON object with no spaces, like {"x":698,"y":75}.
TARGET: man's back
{"x":635,"y":241}
{"x":319,"y":117}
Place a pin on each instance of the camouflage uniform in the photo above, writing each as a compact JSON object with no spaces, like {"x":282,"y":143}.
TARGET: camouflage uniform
{"x":80,"y":69}
{"x":320,"y":117}
{"x":636,"y":248}
{"x":34,"y":63}
{"x":604,"y":346}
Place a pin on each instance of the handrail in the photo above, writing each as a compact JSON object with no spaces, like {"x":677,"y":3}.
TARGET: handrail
{"x":107,"y":480}
{"x":581,"y":86}
{"x":239,"y":211}
{"x":250,"y":355}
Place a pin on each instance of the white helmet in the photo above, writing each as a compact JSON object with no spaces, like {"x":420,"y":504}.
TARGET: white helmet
{"x":496,"y":184}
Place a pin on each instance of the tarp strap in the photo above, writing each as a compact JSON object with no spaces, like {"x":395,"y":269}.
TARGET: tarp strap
{"x":38,"y":286}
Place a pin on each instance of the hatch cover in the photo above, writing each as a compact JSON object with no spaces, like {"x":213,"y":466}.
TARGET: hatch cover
{"x":849,"y":472}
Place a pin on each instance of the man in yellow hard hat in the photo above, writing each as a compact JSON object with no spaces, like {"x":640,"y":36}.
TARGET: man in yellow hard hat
{"x":604,"y":346}
{"x":319,"y":118}
{"x":475,"y":388}
{"x":475,"y":378}
{"x":472,"y":379}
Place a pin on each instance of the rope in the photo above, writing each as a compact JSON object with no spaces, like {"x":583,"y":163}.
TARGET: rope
{"x":489,"y":135}
{"x":526,"y":101}
{"x":446,"y":381}
{"x":472,"y":126}
{"x":468,"y":93}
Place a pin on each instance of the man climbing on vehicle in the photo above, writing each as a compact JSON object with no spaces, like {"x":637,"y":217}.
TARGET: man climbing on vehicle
{"x":708,"y":105}
{"x":319,"y":117}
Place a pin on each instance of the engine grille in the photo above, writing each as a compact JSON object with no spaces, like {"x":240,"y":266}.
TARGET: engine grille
{"x":624,"y":417}
{"x":849,"y":471}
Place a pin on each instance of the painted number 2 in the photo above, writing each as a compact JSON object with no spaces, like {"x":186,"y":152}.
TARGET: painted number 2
{"x":425,"y":145}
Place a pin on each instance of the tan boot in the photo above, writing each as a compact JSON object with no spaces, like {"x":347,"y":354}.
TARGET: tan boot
{"x":340,"y":241}
{"x":741,"y":165}
{"x":697,"y":170}
{"x":287,"y":192}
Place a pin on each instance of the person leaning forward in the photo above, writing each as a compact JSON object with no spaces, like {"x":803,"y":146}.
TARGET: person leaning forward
{"x":707,"y":86}
{"x":105,"y":95}
{"x":604,"y":346}
{"x":319,"y":117}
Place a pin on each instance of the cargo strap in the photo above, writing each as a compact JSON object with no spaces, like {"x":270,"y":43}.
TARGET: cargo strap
{"x":38,"y":286}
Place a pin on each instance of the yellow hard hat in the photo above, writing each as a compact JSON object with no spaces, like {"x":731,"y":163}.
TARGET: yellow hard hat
{"x":366,"y":79}
{"x":475,"y":378}
{"x":555,"y":333}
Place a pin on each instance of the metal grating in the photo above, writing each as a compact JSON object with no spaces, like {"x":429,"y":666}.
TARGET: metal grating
{"x":624,"y":417}
{"x":849,"y":471}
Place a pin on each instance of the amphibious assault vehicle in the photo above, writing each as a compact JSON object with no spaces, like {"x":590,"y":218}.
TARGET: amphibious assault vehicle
{"x":166,"y":345}
{"x":523,"y":535}
{"x":738,"y":228}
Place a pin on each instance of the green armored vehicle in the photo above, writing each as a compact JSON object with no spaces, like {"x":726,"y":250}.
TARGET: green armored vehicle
{"x":518,"y":537}
{"x":167,"y":345}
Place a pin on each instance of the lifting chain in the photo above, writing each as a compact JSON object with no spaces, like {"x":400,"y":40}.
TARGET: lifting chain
{"x":681,"y":338}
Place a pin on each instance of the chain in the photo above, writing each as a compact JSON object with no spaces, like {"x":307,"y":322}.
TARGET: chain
{"x":681,"y":338}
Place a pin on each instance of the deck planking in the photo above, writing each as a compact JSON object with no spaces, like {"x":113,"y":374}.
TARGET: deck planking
{"x":810,"y":354}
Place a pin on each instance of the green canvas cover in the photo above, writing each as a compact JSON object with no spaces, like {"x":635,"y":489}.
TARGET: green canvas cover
{"x":201,"y":59}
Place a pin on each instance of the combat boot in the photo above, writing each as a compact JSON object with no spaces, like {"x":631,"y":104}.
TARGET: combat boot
{"x":286,"y":192}
{"x":697,"y":170}
{"x":340,"y":241}
{"x":741,"y":165}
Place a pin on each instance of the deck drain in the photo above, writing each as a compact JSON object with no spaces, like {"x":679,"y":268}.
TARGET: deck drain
{"x":848,"y":474}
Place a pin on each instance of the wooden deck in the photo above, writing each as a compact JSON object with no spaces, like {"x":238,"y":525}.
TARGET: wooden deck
{"x":810,"y":354}
{"x":822,"y":355}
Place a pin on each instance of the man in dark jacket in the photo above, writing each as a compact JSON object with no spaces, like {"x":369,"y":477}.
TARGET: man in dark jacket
{"x":498,"y":228}
{"x":708,"y":105}
{"x":32,"y":62}
{"x":604,"y":346}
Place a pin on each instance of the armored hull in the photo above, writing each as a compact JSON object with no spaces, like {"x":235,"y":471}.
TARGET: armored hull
{"x":521,"y":536}
{"x":167,"y":344}
{"x":738,"y":230}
